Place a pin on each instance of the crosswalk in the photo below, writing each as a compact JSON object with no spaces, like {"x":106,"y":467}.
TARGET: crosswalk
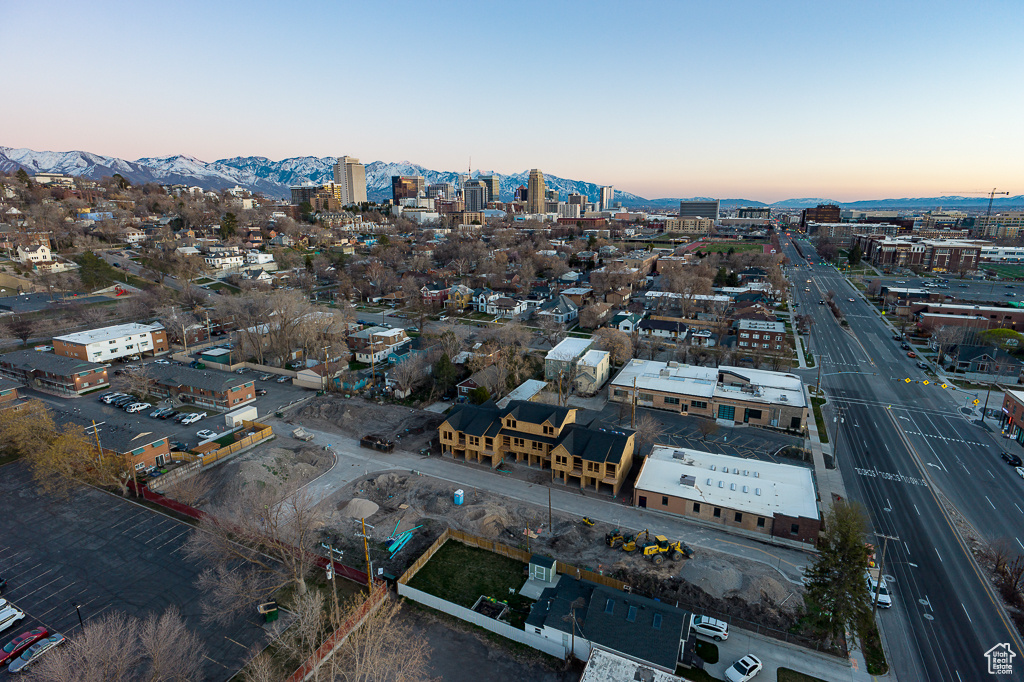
{"x":947,"y":439}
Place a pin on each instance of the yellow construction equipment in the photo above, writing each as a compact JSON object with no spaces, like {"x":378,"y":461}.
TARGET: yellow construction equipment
{"x":614,"y":538}
{"x":632,"y":542}
{"x":657,"y":550}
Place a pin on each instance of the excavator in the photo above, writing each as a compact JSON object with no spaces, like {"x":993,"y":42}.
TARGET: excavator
{"x":657,"y":550}
{"x":633,"y":542}
{"x":616,"y":539}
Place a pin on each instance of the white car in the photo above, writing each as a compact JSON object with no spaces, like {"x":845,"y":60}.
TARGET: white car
{"x":137,"y":407}
{"x":9,"y":615}
{"x":717,"y":630}
{"x":1020,"y":471}
{"x":193,"y":418}
{"x":206,"y":433}
{"x":161,"y":362}
{"x":884,"y":598}
{"x":744,"y":669}
{"x":34,"y":652}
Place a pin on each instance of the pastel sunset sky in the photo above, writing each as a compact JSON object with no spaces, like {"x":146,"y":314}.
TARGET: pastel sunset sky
{"x":731,"y":98}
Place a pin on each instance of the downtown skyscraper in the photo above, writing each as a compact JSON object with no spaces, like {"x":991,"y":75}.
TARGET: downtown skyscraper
{"x":350,"y":175}
{"x":535,"y":192}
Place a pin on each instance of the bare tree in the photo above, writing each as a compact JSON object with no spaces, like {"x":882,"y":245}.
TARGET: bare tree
{"x":172,"y":652}
{"x":178,"y":321}
{"x":269,"y":529}
{"x":382,"y":648}
{"x":649,"y":430}
{"x":707,"y":427}
{"x":192,"y":490}
{"x":408,"y":373}
{"x":616,"y":342}
{"x":946,"y":337}
{"x":551,"y":330}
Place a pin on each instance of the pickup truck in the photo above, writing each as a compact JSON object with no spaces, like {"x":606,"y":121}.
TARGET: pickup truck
{"x":302,"y":434}
{"x":377,"y":443}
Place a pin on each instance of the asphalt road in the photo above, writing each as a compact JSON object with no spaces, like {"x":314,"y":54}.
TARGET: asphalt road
{"x":920,"y":467}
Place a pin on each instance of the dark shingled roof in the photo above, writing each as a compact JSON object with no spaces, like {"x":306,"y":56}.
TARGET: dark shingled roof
{"x":615,"y":620}
{"x":28,"y":360}
{"x":7,"y":384}
{"x":536,"y":413}
{"x":595,"y":445}
{"x":115,"y":434}
{"x":208,"y":380}
{"x":475,"y":420}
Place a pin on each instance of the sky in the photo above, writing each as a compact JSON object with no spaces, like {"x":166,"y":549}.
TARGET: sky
{"x":730,"y":99}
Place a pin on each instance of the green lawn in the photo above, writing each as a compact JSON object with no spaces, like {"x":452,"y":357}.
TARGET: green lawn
{"x":723,"y":247}
{"x":461,"y":574}
{"x":787,"y":675}
{"x":819,"y":419}
{"x":1011,"y":271}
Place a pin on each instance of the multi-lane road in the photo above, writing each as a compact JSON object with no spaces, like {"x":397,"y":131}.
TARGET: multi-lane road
{"x":926,"y":473}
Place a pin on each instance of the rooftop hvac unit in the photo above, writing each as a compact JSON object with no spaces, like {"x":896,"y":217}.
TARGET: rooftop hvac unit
{"x":663,"y":373}
{"x":783,"y":398}
{"x":757,"y":491}
{"x":688,"y":480}
{"x":673,"y":365}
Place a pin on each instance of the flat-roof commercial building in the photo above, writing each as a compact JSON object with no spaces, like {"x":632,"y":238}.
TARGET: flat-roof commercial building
{"x":699,"y":209}
{"x":779,"y":500}
{"x":53,"y":373}
{"x":107,"y":344}
{"x":732,"y":394}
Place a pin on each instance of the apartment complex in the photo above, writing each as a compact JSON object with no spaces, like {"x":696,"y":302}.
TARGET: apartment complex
{"x":699,"y":209}
{"x":539,"y":435}
{"x":217,"y":390}
{"x":778,"y":500}
{"x":107,"y":344}
{"x":761,"y":335}
{"x":732,"y":394}
{"x":375,"y":344}
{"x":53,"y":373}
{"x":1006,"y":225}
{"x":938,"y":255}
{"x":693,"y":225}
{"x":350,"y":175}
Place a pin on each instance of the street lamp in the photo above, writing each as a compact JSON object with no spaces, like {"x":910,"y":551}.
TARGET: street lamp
{"x":80,"y":623}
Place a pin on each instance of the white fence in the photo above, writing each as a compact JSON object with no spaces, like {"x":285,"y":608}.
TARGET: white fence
{"x":504,"y":629}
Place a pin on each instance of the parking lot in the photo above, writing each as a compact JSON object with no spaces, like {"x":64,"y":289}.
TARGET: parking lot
{"x":89,"y":407}
{"x":104,"y":554}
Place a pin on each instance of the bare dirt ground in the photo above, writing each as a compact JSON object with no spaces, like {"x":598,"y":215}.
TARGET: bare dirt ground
{"x":710,"y":581}
{"x":411,"y":429}
{"x":292,"y":464}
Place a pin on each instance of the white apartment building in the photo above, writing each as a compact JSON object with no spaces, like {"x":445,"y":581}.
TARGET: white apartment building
{"x":225,"y":261}
{"x":257,"y":258}
{"x":33,"y":253}
{"x":111,"y":343}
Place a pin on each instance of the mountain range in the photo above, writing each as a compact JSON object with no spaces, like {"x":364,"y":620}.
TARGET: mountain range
{"x":273,"y":178}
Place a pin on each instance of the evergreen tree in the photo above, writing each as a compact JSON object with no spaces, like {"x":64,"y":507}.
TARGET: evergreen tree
{"x":837,"y":599}
{"x":733,"y":280}
{"x":854,"y":256}
{"x":479,"y":395}
{"x":721,"y":277}
{"x":228,"y":226}
{"x":309,"y":263}
{"x":444,"y":373}
{"x":22,"y":177}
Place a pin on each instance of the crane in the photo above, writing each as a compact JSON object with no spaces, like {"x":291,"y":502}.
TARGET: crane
{"x":991,"y":198}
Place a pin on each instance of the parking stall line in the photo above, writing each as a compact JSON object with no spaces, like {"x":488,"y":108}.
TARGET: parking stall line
{"x":29,"y":581}
{"x":64,"y":602}
{"x":184,"y":532}
{"x":41,"y":586}
{"x":165,"y":530}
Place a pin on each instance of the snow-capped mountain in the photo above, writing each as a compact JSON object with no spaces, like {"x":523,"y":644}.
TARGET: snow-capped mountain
{"x":273,"y":178}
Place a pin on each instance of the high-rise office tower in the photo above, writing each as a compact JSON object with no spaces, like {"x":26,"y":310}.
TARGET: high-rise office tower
{"x":699,"y":209}
{"x":441,"y":190}
{"x":493,"y":183}
{"x":551,"y":195}
{"x":406,"y":187}
{"x":607,"y":197}
{"x":577,"y":199}
{"x":303,"y":194}
{"x":463,"y":179}
{"x":475,"y":194}
{"x":536,"y":192}
{"x":521,"y":194}
{"x":351,"y":175}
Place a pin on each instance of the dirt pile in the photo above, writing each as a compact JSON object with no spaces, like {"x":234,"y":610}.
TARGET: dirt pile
{"x":410,"y":428}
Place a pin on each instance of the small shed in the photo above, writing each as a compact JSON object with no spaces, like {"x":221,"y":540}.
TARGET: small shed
{"x":542,"y":568}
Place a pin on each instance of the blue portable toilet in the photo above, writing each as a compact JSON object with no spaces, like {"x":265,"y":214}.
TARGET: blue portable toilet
{"x":459,"y":495}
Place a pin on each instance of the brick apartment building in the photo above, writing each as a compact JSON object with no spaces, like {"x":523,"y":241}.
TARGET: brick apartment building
{"x":972,"y":316}
{"x":761,"y":335}
{"x":203,"y":388}
{"x":53,"y":373}
{"x":937,"y":255}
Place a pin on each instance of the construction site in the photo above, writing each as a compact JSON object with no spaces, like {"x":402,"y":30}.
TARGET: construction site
{"x":393,"y":504}
{"x":409,"y":428}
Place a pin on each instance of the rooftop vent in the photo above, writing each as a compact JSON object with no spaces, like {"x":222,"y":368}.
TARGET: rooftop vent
{"x":732,"y":486}
{"x":757,"y":475}
{"x":709,"y":481}
{"x":721,"y":484}
{"x":746,"y":489}
{"x":746,"y":473}
{"x":757,"y":491}
{"x":783,"y":398}
{"x":735,"y":470}
{"x":713,"y":467}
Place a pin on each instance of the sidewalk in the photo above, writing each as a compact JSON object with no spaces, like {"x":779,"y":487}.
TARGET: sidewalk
{"x":775,"y":654}
{"x":354,"y":462}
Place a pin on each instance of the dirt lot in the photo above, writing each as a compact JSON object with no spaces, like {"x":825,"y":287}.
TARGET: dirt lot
{"x":411,"y":429}
{"x":292,"y":464}
{"x":710,"y":581}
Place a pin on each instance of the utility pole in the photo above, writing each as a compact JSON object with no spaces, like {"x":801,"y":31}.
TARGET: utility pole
{"x":549,"y":509}
{"x":881,"y":567}
{"x":369,"y":567}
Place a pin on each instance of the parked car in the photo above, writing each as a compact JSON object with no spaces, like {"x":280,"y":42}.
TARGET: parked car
{"x":911,"y":355}
{"x":1020,"y":471}
{"x":265,"y":376}
{"x":111,"y":397}
{"x":884,"y":599}
{"x":159,"y":412}
{"x":170,"y":414}
{"x":178,"y":445}
{"x":124,"y":400}
{"x":35,"y":652}
{"x":9,"y":615}
{"x":20,"y":643}
{"x":161,"y":362}
{"x":905,"y":346}
{"x":181,"y":416}
{"x":283,"y":378}
{"x":138,"y":407}
{"x":744,"y":669}
{"x":241,"y":370}
{"x":1012,"y":459}
{"x":717,"y":630}
{"x":261,"y":391}
{"x":206,"y":433}
{"x":193,"y":418}
{"x":923,"y":365}
{"x":112,"y":394}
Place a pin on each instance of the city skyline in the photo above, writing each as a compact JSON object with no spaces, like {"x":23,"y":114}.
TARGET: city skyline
{"x":765,"y":102}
